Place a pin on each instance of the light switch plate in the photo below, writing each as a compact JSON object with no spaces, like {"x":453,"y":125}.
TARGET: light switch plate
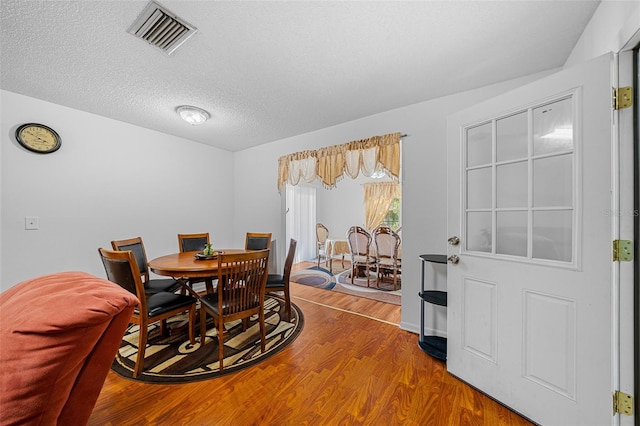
{"x":31,"y":222}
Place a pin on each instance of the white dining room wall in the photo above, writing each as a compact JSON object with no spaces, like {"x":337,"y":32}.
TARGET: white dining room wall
{"x":110,"y":180}
{"x":342,"y":207}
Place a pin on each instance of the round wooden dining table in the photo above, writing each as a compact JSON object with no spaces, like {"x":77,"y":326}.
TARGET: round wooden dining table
{"x":185,"y":265}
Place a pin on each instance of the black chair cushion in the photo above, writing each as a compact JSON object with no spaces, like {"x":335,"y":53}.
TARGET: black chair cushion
{"x":160,"y":303}
{"x":257,"y":243}
{"x":210,"y":302}
{"x":275,"y":280}
{"x":161,"y":285}
{"x":193,"y":244}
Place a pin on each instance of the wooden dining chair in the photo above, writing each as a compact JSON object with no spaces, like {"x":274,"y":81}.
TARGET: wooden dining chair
{"x":387,"y":244}
{"x":192,"y":242}
{"x":195,"y":242}
{"x":151,"y":285}
{"x":258,"y":241}
{"x":322,"y":233}
{"x":122,"y":268}
{"x":360,"y":247}
{"x":277,"y":282}
{"x":242,"y":279}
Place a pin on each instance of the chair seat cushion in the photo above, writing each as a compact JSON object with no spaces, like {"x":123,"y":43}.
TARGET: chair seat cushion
{"x":362,"y":259}
{"x":160,"y":303}
{"x":275,"y":280}
{"x":59,"y":334}
{"x":160,"y":285}
{"x":387,"y":262}
{"x":210,"y":302}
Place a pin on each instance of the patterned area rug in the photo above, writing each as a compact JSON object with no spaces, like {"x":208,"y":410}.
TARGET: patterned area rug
{"x":314,"y":277}
{"x":172,"y":359}
{"x":322,"y":278}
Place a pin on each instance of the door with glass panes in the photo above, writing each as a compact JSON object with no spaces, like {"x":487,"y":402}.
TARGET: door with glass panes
{"x":529,"y":305}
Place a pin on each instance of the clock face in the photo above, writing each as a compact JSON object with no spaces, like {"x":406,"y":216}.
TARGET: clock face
{"x":38,"y":138}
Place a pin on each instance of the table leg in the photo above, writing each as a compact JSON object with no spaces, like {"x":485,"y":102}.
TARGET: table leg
{"x":187,"y":287}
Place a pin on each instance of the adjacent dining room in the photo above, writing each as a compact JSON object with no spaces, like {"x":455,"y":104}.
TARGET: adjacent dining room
{"x":348,"y":224}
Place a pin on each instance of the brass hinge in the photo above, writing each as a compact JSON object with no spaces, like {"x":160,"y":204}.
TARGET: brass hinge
{"x":622,"y":251}
{"x":622,"y":97}
{"x":622,"y":403}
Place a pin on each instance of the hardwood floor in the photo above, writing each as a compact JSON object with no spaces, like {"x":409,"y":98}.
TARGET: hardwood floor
{"x":350,"y":365}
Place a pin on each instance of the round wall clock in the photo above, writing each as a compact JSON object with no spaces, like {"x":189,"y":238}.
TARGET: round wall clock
{"x":38,"y":138}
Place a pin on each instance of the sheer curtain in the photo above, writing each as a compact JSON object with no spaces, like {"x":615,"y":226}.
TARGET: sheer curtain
{"x":301,"y":220}
{"x":377,"y":199}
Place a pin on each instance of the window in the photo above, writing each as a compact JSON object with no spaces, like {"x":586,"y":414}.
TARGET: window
{"x":392,"y":218}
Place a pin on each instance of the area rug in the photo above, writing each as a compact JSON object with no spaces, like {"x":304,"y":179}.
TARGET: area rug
{"x":314,"y":277}
{"x":384,"y":293}
{"x":173,"y":359}
{"x":322,"y":278}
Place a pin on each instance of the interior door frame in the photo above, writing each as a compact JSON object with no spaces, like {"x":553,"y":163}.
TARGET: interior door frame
{"x":636,"y":233}
{"x":627,"y":137}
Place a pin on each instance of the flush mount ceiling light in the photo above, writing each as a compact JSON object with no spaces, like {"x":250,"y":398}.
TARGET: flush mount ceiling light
{"x":193,"y":115}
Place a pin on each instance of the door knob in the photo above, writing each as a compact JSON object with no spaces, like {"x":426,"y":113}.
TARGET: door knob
{"x":454,"y":241}
{"x":453,"y":259}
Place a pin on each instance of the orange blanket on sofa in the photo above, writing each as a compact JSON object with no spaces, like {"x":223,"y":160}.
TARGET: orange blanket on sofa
{"x":59,"y":334}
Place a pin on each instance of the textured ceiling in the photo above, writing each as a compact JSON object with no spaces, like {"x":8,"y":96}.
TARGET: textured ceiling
{"x":268,"y":70}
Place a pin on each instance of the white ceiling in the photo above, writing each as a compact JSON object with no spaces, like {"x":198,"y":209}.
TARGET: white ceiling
{"x":267,"y":70}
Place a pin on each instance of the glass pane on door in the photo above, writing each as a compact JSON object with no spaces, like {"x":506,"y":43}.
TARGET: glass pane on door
{"x":512,"y":139}
{"x":479,"y":231}
{"x":479,"y":145}
{"x":479,"y":188}
{"x":511,"y":233}
{"x":511,"y":182}
{"x":553,"y":235}
{"x":553,"y":127}
{"x":553,"y":181}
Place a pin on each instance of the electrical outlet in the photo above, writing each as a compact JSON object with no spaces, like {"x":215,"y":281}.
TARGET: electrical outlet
{"x":31,"y":222}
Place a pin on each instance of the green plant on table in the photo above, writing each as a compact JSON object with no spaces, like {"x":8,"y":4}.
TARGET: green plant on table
{"x":208,"y":250}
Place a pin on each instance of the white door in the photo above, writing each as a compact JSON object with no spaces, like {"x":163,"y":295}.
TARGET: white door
{"x":529,"y":317}
{"x":300,"y":216}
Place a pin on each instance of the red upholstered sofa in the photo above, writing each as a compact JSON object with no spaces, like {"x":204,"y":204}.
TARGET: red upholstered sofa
{"x":59,"y":334}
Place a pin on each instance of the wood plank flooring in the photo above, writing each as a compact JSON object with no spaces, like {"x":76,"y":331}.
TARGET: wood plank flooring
{"x":351,"y":365}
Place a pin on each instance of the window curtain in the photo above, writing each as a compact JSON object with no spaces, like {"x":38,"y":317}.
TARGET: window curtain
{"x":377,"y":199}
{"x":301,"y":220}
{"x":330,"y":164}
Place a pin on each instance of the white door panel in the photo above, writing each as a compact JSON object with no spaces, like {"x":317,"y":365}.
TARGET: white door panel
{"x":530,"y":303}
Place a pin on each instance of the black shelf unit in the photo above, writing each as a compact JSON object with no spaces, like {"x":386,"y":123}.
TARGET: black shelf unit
{"x":435,"y":346}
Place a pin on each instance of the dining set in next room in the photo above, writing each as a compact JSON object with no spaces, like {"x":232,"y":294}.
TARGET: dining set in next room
{"x":378,"y":251}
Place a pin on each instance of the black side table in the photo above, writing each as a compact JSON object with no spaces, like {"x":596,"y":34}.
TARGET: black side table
{"x":435,"y":346}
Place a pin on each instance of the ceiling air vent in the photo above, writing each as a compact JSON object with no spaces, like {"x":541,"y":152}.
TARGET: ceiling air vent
{"x":161,"y":28}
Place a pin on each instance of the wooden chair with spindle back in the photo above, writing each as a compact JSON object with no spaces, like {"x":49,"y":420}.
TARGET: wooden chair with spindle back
{"x":242,"y":279}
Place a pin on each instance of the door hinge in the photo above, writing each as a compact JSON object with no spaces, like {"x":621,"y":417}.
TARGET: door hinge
{"x":622,"y":251}
{"x":622,"y":403}
{"x":622,"y":97}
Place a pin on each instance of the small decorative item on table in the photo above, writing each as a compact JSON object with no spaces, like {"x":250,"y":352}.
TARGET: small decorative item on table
{"x":208,"y":253}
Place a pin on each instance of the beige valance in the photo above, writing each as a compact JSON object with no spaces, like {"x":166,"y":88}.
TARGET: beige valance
{"x":367,"y":156}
